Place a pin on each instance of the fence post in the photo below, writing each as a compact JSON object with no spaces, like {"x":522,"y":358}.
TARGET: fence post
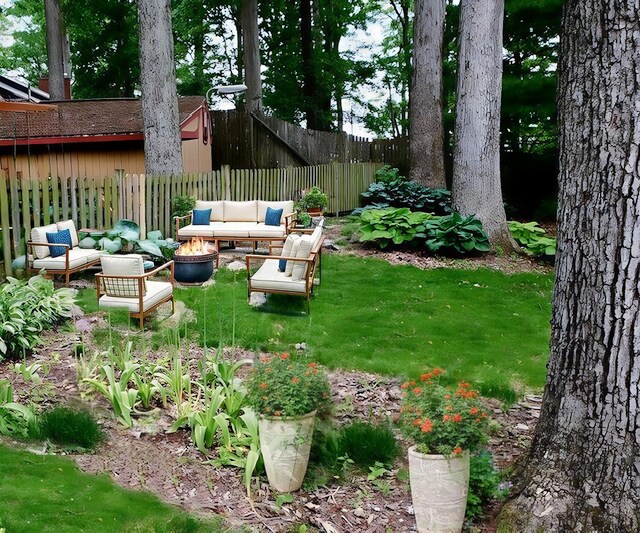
{"x":4,"y":222}
{"x":142,"y":199}
{"x":225,"y":178}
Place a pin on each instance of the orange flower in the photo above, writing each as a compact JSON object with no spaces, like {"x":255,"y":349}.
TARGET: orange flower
{"x":315,"y":371}
{"x":447,"y":396}
{"x":473,"y":411}
{"x":284,"y":356}
{"x":437,"y":371}
{"x":313,"y":365}
{"x":295,"y":380}
{"x":267,"y":409}
{"x":277,"y":413}
{"x":457,"y":450}
{"x":426,"y":377}
{"x":263,"y":385}
{"x":412,"y":383}
{"x":307,"y":373}
{"x":426,"y":426}
{"x":457,"y":418}
{"x":446,"y":418}
{"x":417,"y":390}
{"x":405,"y":385}
{"x":265,"y":398}
{"x":265,"y":359}
{"x":417,"y":422}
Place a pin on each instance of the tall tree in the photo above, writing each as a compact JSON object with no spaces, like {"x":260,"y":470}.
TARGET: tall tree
{"x":162,"y":147}
{"x":426,"y":128}
{"x":55,"y":46}
{"x":582,"y":471}
{"x":476,"y":157}
{"x":251,"y":50}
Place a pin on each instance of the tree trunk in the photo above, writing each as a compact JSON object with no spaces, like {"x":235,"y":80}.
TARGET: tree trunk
{"x":251,"y":55}
{"x":583,"y":469}
{"x":162,"y":147}
{"x":426,"y":137}
{"x":55,"y":54}
{"x":476,"y":156}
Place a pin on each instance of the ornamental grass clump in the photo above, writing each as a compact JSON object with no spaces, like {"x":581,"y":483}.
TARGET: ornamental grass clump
{"x":441,"y":419}
{"x":285,"y":386}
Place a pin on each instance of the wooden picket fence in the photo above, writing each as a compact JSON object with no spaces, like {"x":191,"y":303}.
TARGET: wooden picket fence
{"x":98,"y":202}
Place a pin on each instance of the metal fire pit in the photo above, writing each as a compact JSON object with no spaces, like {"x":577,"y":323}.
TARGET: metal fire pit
{"x":193,"y":268}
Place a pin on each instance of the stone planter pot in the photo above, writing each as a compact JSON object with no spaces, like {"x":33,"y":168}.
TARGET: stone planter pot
{"x":286,"y":443}
{"x":439,"y":488}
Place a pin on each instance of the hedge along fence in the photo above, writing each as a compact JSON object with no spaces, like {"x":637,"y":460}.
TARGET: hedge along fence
{"x":99,"y":202}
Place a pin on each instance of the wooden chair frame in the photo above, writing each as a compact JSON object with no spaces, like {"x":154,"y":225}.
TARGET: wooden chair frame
{"x":141,"y":277}
{"x":67,"y":270}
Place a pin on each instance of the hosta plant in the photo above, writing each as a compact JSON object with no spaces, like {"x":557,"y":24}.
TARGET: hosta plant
{"x":532,"y":238}
{"x":393,"y":226}
{"x":456,"y":233}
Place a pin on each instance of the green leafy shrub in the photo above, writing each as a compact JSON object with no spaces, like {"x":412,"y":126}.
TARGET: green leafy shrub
{"x":27,"y":308}
{"x":69,"y":427}
{"x":456,"y":233}
{"x":182,"y":205}
{"x":484,"y":483}
{"x":532,"y":238}
{"x":393,"y":190}
{"x":16,"y":420}
{"x":367,"y":444}
{"x":393,"y":226}
{"x":312,"y":199}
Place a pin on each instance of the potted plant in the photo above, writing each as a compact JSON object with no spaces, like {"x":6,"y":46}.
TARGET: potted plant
{"x":303,"y":219}
{"x":286,"y":392}
{"x":445,"y":423}
{"x":313,"y":202}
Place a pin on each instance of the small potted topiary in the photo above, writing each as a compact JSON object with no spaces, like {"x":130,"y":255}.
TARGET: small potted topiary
{"x":313,"y":202}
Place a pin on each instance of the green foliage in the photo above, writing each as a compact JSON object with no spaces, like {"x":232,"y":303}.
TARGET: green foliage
{"x":440,"y":419}
{"x":15,"y":419}
{"x":287,"y":386}
{"x":393,"y":226}
{"x":393,"y":190}
{"x":116,"y":390}
{"x":26,"y":309}
{"x":532,"y":238}
{"x":312,"y":199}
{"x":484,"y":483}
{"x":456,"y":233}
{"x":69,"y":427}
{"x":183,"y":205}
{"x":368,"y":444}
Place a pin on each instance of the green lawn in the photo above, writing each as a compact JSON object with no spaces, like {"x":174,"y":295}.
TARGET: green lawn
{"x":482,"y":326}
{"x":48,"y":493}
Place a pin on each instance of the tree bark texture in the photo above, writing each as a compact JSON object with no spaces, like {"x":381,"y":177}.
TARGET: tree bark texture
{"x":251,"y":55}
{"x":583,"y":469}
{"x":426,"y":137}
{"x":55,"y":54}
{"x":162,"y":147}
{"x":476,"y":157}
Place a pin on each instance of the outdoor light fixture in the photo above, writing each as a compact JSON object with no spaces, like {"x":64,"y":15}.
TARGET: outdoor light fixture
{"x":226,"y":90}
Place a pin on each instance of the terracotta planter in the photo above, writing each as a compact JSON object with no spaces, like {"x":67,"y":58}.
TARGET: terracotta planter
{"x":286,"y":443}
{"x":439,"y":488}
{"x":315,"y":211}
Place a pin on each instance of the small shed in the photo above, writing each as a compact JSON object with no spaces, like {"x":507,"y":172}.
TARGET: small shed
{"x":102,"y":137}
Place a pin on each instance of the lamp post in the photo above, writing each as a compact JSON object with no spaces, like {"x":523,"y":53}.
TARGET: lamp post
{"x":226,"y":91}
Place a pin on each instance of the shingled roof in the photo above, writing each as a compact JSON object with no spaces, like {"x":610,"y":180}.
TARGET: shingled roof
{"x":86,"y":118}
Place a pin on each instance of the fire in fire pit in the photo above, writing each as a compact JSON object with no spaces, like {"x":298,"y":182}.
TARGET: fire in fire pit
{"x":194,"y":261}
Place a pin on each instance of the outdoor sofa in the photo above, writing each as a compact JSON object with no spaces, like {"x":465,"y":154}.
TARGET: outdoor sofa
{"x":237,"y":221}
{"x":43,"y":254}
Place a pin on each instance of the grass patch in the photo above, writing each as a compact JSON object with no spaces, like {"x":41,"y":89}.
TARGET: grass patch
{"x":70,"y":428}
{"x":367,"y":444}
{"x":481,"y":325}
{"x":47,"y":493}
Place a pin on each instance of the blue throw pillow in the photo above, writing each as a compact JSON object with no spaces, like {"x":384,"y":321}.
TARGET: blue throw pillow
{"x":272,"y":217}
{"x":61,"y":237}
{"x":201,"y":217}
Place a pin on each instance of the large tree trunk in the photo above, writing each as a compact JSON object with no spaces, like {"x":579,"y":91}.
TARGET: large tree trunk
{"x":583,"y":470}
{"x":251,"y":55}
{"x":55,"y":47}
{"x":162,"y":147}
{"x":476,"y":156}
{"x":426,"y":129}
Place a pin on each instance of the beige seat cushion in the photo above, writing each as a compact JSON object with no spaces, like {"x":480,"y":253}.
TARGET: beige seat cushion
{"x":241,"y":211}
{"x":261,"y":231}
{"x":268,"y":277}
{"x":286,"y":206}
{"x":288,"y":245}
{"x":156,"y":292}
{"x":217,"y":209}
{"x":198,"y":231}
{"x":233,"y":229}
{"x":303,"y":252}
{"x":69,"y":224}
{"x":52,"y":264}
{"x":39,"y":234}
{"x":122,"y":265}
{"x":294,"y":250}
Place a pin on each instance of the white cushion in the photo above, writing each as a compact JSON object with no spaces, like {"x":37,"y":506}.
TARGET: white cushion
{"x":197,"y":231}
{"x":268,"y":277}
{"x":241,"y":211}
{"x":264,"y":231}
{"x":59,"y":263}
{"x":288,"y":245}
{"x":286,"y":206}
{"x":294,"y":250}
{"x":217,"y":209}
{"x":303,"y":252}
{"x":233,"y":229}
{"x":317,"y":233}
{"x":90,"y":254}
{"x":69,"y":224}
{"x":39,"y":234}
{"x":156,"y":291}
{"x":122,"y":265}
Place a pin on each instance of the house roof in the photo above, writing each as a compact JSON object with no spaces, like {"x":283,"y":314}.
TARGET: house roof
{"x":86,"y":121}
{"x":16,"y":89}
